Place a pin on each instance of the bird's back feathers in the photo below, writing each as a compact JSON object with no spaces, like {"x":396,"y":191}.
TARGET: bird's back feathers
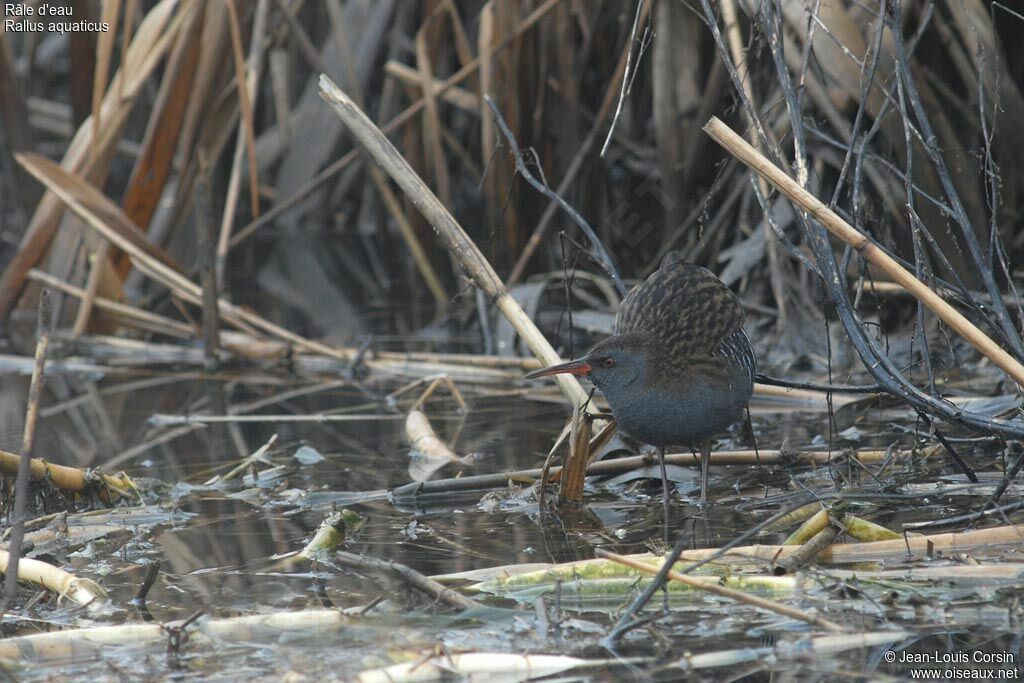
{"x":685,"y":307}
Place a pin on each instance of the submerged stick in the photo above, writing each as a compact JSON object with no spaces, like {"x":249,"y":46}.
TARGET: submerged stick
{"x":164,"y":420}
{"x":410,"y":576}
{"x":604,"y":259}
{"x":621,"y":465}
{"x":455,"y":238}
{"x":832,"y":222}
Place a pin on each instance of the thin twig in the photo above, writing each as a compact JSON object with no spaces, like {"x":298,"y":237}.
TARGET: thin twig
{"x":626,"y":80}
{"x":604,"y":259}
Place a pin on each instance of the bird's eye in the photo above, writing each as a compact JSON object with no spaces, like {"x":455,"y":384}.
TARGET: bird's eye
{"x":608,"y":362}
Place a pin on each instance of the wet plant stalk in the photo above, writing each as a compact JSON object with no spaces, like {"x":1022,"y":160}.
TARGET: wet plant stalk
{"x":738,"y":596}
{"x":27,"y":442}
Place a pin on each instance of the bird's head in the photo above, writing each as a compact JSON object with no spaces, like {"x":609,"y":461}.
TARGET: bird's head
{"x":614,"y":363}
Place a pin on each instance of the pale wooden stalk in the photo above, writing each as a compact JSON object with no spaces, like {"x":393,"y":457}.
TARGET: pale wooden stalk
{"x":905,"y":548}
{"x":754,"y":160}
{"x":247,"y":77}
{"x":455,"y":238}
{"x":71,"y":643}
{"x":432,"y":138}
{"x":104,"y":50}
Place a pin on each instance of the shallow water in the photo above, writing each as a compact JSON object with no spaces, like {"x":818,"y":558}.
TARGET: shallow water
{"x":220,"y":547}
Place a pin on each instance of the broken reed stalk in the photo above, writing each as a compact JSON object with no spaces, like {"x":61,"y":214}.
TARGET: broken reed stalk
{"x":247,"y":78}
{"x":738,"y":596}
{"x":574,"y":472}
{"x":808,"y":553}
{"x":28,"y":439}
{"x":832,"y":222}
{"x":75,"y":479}
{"x":78,"y":589}
{"x":458,"y":242}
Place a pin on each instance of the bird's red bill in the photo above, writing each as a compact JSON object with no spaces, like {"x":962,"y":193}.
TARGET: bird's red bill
{"x":573,"y":367}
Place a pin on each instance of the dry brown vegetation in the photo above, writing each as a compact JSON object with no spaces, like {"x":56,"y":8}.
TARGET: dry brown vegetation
{"x":198,"y":210}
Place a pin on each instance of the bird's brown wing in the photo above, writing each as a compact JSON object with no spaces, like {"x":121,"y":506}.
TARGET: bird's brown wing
{"x":685,"y":307}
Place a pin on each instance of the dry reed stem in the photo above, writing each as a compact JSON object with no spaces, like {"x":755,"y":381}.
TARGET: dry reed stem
{"x":247,"y":78}
{"x":730,"y":593}
{"x":432,"y":137}
{"x":256,"y":456}
{"x":641,"y":9}
{"x":574,"y":471}
{"x":104,"y":49}
{"x":455,"y":238}
{"x":907,"y":548}
{"x":165,"y":420}
{"x":628,"y":464}
{"x":92,"y":285}
{"x":71,"y":643}
{"x":754,"y":160}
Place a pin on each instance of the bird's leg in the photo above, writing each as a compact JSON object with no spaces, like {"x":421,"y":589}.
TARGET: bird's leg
{"x":705,"y":464}
{"x":664,"y":474}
